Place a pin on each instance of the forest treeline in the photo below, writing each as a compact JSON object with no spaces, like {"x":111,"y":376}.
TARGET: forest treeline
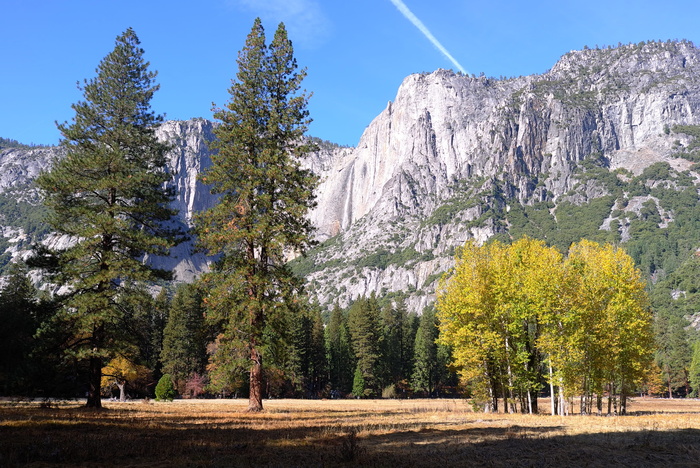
{"x":365,"y":351}
{"x":369,"y":350}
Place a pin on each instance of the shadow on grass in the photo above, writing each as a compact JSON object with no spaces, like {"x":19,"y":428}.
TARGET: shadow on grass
{"x":114,"y":438}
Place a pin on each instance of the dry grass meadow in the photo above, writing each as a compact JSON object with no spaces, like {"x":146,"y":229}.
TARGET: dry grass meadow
{"x":392,"y":433}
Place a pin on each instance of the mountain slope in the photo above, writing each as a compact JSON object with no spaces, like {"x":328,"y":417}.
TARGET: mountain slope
{"x":601,"y":146}
{"x":456,"y":157}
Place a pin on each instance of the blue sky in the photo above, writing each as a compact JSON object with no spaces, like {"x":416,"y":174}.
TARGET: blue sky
{"x":357,"y":52}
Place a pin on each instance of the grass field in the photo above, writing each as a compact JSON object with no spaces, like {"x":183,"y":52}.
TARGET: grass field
{"x":393,"y":433}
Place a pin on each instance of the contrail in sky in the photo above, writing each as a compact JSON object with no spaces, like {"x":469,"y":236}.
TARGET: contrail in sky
{"x":421,"y":27}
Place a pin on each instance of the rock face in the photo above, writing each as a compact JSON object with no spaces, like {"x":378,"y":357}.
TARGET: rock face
{"x":444,"y":127}
{"x":432,"y":169}
{"x":19,"y":167}
{"x":450,"y":147}
{"x":190,"y":155}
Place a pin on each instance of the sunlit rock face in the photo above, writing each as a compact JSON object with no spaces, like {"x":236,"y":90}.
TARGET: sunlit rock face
{"x":429,"y":169}
{"x":444,"y":127}
{"x":447,"y":137}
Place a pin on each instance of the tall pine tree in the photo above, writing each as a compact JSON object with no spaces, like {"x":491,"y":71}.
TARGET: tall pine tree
{"x":339,"y":353}
{"x":19,"y":315}
{"x":107,"y":195}
{"x":425,"y":370}
{"x":184,"y":337}
{"x":308,"y":352}
{"x":399,"y":331}
{"x":264,"y":197}
{"x":367,"y":343}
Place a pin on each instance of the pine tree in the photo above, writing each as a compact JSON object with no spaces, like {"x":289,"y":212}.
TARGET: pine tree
{"x":308,"y":352}
{"x":264,"y":197}
{"x":19,"y":319}
{"x":694,"y":371}
{"x":425,"y":368}
{"x":365,"y":332}
{"x":144,"y":319}
{"x":339,"y":353}
{"x":159,"y":319}
{"x":184,"y":337}
{"x":398,"y":339}
{"x":107,"y":195}
{"x":674,"y":352}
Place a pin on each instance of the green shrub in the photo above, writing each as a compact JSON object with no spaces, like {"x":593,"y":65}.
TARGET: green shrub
{"x":165,"y":390}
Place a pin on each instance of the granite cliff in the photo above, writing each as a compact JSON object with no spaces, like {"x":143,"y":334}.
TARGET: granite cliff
{"x":455,"y":157}
{"x":448,"y":158}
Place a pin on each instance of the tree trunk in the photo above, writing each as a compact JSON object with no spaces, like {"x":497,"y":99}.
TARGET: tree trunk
{"x":256,"y":381}
{"x":563,"y":408}
{"x":529,"y":401}
{"x":94,"y":398}
{"x":511,"y":398}
{"x":623,"y":398}
{"x":257,"y":325}
{"x":122,"y":393}
{"x":552,"y":395}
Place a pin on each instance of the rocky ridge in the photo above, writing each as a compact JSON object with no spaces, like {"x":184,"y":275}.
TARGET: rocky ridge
{"x":435,"y":166}
{"x":451,"y":157}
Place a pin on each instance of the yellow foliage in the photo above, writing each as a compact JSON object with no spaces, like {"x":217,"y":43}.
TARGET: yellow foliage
{"x":122,"y":370}
{"x":505,"y":306}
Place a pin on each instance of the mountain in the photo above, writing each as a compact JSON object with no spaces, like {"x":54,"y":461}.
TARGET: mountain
{"x":601,"y":146}
{"x":557,"y":156}
{"x":21,"y":211}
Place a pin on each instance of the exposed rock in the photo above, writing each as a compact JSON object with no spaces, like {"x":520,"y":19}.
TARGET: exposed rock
{"x":450,"y":152}
{"x":446,"y":132}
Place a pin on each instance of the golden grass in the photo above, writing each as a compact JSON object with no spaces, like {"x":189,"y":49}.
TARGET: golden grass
{"x":393,"y":433}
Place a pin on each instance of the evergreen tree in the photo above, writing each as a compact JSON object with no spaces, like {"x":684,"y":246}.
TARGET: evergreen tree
{"x":675,"y":299}
{"x":107,"y":194}
{"x":165,"y":389}
{"x":398,"y":339}
{"x":359,"y":385}
{"x":19,"y":318}
{"x":425,"y":370}
{"x":264,"y":197}
{"x":184,"y":337}
{"x":309,"y":359}
{"x":339,"y":352}
{"x":694,"y":373}
{"x":144,"y":322}
{"x":365,"y":333}
{"x":158,"y":321}
{"x":674,"y":352}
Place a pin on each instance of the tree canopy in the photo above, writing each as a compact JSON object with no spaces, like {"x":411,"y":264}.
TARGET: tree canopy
{"x":519,"y":315}
{"x":108,"y":197}
{"x":264,"y":197}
